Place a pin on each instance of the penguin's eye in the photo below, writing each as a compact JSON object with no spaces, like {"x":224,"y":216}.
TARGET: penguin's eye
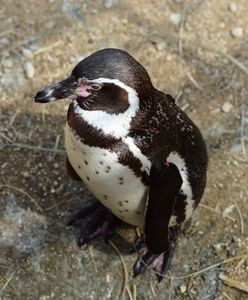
{"x":96,"y":86}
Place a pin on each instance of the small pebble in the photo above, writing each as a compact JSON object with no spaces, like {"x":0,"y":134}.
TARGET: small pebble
{"x":222,"y":25}
{"x":29,"y":69}
{"x":7,"y":63}
{"x":108,"y":3}
{"x":25,"y":174}
{"x":175,"y":18}
{"x":217,"y":247}
{"x":237,"y":32}
{"x":220,"y":185}
{"x":232,"y":7}
{"x":226,"y":107}
{"x":56,"y":165}
{"x":183,"y":289}
{"x":4,"y":41}
{"x":27,"y":53}
{"x":161,"y":46}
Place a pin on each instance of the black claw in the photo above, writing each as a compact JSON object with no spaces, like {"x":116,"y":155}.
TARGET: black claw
{"x":138,"y":244}
{"x":71,"y":222}
{"x":160,"y":277}
{"x":143,"y":263}
{"x":139,"y":268}
{"x":82,"y":241}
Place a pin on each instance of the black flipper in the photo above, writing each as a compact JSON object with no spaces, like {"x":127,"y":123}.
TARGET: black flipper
{"x":165,"y":184}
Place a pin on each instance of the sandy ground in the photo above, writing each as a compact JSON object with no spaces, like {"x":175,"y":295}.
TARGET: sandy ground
{"x":197,"y":51}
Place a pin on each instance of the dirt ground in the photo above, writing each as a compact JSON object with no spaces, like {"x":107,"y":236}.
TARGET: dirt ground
{"x":195,"y":50}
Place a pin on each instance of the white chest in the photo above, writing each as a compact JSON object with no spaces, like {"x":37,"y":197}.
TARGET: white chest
{"x":112,"y":183}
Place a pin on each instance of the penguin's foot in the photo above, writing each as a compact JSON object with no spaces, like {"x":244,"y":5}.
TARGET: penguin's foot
{"x":160,"y":263}
{"x":94,"y":221}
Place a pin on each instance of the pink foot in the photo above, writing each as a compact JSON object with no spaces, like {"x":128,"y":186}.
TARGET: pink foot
{"x":160,"y":263}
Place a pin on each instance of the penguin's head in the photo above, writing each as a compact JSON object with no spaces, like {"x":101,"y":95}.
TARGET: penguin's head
{"x":106,"y":80}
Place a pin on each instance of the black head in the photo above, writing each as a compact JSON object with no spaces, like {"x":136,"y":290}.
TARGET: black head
{"x":96,"y":82}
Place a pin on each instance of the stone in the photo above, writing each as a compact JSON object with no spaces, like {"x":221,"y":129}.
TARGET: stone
{"x":183,"y":288}
{"x":226,"y":107}
{"x":108,"y":3}
{"x":7,"y":63}
{"x":175,"y":18}
{"x":29,"y":69}
{"x":232,"y":6}
{"x":27,"y":53}
{"x":237,"y":32}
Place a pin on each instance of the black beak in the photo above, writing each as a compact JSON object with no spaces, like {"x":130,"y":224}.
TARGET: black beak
{"x":61,"y":90}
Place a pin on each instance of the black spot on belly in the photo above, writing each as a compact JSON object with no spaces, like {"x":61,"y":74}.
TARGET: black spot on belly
{"x":86,"y":162}
{"x":97,"y":172}
{"x":79,"y":166}
{"x":108,"y":167}
{"x":88,"y":178}
{"x":126,"y":210}
{"x":120,"y":203}
{"x":101,"y":162}
{"x":126,"y":201}
{"x":138,"y":212}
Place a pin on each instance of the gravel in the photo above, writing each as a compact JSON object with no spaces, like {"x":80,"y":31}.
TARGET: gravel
{"x":28,"y":69}
{"x":232,"y":7}
{"x":237,"y":32}
{"x":27,"y":53}
{"x":226,"y":107}
{"x":7,"y":63}
{"x":175,"y":18}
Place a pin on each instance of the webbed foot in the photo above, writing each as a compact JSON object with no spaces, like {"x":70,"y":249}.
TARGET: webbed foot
{"x":160,"y":263}
{"x":94,"y":221}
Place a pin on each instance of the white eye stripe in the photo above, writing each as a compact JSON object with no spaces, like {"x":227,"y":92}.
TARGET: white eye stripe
{"x":116,"y":125}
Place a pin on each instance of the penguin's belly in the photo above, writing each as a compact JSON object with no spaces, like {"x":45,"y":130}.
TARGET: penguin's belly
{"x":112,"y":183}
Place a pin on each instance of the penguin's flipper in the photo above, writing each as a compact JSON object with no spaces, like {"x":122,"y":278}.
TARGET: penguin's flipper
{"x":165,"y":184}
{"x":157,"y":247}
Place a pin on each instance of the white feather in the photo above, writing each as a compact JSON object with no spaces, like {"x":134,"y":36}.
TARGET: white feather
{"x":176,"y":159}
{"x":101,"y":173}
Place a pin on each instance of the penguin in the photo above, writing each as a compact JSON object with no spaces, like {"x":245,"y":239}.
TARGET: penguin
{"x":139,"y":154}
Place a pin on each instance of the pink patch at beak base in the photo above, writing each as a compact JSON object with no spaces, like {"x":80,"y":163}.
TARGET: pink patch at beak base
{"x":82,"y":91}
